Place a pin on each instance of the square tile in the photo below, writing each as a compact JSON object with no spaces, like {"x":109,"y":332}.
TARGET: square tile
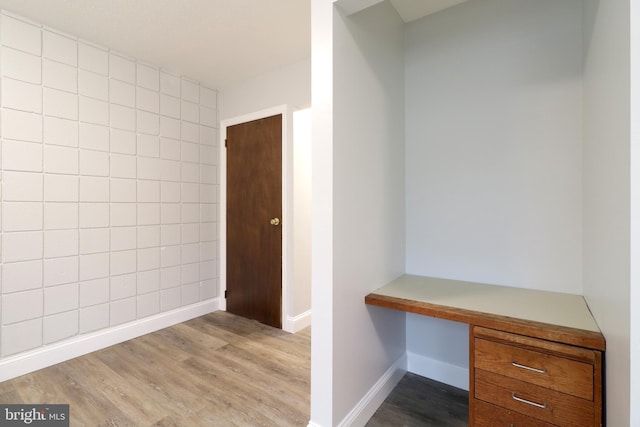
{"x":190,"y":293}
{"x":21,"y":306}
{"x":94,"y":111}
{"x":148,"y":236}
{"x":59,"y":326}
{"x":123,"y":117}
{"x":170,"y":213}
{"x":61,"y":243}
{"x":148,"y":259}
{"x":148,"y":213}
{"x":148,"y":281}
{"x":170,"y":277}
{"x":149,"y":168}
{"x":208,"y":193}
{"x":94,"y":137}
{"x":58,"y":159}
{"x":21,"y":216}
{"x":148,"y":304}
{"x":190,"y":172}
{"x":208,"y":117}
{"x":122,"y":311}
{"x":190,"y":233}
{"x":93,"y":189}
{"x":58,"y":299}
{"x":60,"y":216}
{"x":93,"y":85}
{"x":169,"y":149}
{"x":123,"y":141}
{"x":170,"y":170}
{"x":169,"y":84}
{"x":148,"y":123}
{"x":94,"y":240}
{"x":21,"y":35}
{"x":61,"y":188}
{"x":189,"y":132}
{"x":190,"y":273}
{"x":94,"y":163}
{"x":148,"y":145}
{"x":123,"y":238}
{"x":170,"y":256}
{"x":123,"y":262}
{"x":22,"y":186}
{"x":147,"y":100}
{"x":190,"y":91}
{"x":21,"y":336}
{"x":21,"y":65}
{"x":93,"y":58}
{"x":21,"y":96}
{"x":122,"y":93}
{"x":123,"y":286}
{"x":22,"y":246}
{"x":94,"y":292}
{"x":169,"y":128}
{"x":60,"y":48}
{"x":170,"y":192}
{"x":208,"y":212}
{"x":123,"y":190}
{"x":94,"y":215}
{"x":190,"y":112}
{"x":122,"y":68}
{"x":208,"y":97}
{"x":94,"y":318}
{"x":123,"y":166}
{"x":148,"y":77}
{"x":21,"y":126}
{"x":21,"y":276}
{"x":148,"y":191}
{"x":59,"y":76}
{"x":170,"y":106}
{"x":208,"y":136}
{"x":61,"y":104}
{"x":123,"y":214}
{"x":170,"y":235}
{"x":94,"y":266}
{"x":190,"y":212}
{"x":21,"y":156}
{"x":60,"y":132}
{"x":58,"y":271}
{"x":170,"y":299}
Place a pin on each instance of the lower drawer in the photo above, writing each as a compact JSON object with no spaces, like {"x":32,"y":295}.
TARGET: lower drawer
{"x":487,"y":415}
{"x":534,"y":401}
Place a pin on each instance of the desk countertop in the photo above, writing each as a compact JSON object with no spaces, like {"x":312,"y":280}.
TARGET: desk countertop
{"x":548,"y":315}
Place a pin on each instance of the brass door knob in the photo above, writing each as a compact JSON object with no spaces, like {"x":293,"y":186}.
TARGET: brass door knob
{"x":275,"y":221}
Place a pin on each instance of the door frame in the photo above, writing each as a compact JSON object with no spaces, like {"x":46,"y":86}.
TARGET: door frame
{"x":287,"y":207}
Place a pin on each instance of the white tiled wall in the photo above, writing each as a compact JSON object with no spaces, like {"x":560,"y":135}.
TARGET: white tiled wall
{"x":109,"y":188}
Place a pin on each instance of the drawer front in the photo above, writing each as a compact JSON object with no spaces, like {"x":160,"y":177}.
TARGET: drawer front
{"x":486,"y":415}
{"x":534,"y":401}
{"x":554,"y":372}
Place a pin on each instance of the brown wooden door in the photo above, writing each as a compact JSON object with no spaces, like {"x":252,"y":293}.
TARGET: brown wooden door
{"x":254,"y":202}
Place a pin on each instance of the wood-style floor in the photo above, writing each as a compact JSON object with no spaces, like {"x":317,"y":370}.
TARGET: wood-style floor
{"x":422,"y":402}
{"x":216,"y":370}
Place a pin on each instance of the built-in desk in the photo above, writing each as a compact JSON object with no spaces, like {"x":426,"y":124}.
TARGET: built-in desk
{"x":535,"y":357}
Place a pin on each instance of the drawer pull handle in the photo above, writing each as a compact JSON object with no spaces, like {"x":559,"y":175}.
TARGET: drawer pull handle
{"x":529,"y":368}
{"x":528,"y":402}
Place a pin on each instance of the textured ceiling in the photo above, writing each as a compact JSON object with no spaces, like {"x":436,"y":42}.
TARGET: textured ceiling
{"x":218,"y":42}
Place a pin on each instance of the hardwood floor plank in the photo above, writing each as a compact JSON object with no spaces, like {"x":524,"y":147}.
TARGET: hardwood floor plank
{"x":215,"y":370}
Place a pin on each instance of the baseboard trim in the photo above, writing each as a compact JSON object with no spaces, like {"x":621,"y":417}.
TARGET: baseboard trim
{"x":30,"y":361}
{"x":297,"y":323}
{"x":371,"y":401}
{"x":438,"y":370}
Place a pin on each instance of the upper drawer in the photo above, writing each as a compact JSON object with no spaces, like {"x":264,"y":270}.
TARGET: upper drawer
{"x":550,"y":371}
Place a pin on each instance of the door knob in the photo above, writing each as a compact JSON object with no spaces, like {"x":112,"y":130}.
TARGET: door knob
{"x":275,"y":221}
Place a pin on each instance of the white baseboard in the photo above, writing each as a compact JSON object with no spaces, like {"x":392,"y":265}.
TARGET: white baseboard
{"x":438,"y":370}
{"x":297,"y":323}
{"x":371,"y":401}
{"x":30,"y":361}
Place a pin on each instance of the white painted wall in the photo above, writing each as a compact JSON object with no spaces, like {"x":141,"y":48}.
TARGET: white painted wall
{"x":302,"y":211}
{"x":607,"y":189}
{"x":289,"y":86}
{"x":494,"y":144}
{"x":358,"y":209}
{"x":368,"y":201}
{"x":108,"y":197}
{"x":493,"y":158}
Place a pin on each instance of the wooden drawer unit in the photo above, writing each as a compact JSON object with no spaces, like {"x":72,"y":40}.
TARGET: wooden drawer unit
{"x":487,"y":415}
{"x":534,"y":382}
